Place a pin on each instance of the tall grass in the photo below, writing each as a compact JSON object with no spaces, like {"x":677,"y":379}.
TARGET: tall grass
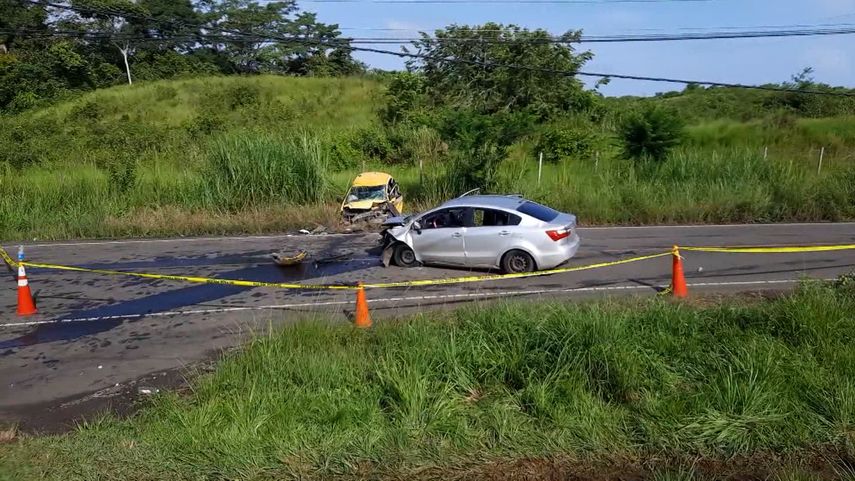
{"x":246,"y":170}
{"x":619,"y":382}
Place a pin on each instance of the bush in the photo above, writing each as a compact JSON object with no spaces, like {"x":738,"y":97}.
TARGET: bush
{"x":204,"y":124}
{"x":239,"y":96}
{"x":372,"y":142}
{"x":558,"y":142}
{"x":404,"y":96}
{"x":651,"y":134}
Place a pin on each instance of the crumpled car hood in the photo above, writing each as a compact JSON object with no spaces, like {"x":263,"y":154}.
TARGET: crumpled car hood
{"x":362,"y":204}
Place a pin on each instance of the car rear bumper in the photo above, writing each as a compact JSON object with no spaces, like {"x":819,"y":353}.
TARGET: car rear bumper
{"x":561,"y":254}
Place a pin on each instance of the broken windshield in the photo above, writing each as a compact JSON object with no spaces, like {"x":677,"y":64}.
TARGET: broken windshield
{"x":368,"y":193}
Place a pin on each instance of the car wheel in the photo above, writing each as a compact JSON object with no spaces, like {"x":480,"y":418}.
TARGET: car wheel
{"x":516,"y":261}
{"x":404,"y":256}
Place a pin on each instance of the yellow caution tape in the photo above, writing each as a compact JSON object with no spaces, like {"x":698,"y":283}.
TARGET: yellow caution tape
{"x":197,"y":280}
{"x":498,"y":277}
{"x":7,"y":259}
{"x":281,"y":285}
{"x":426,"y":282}
{"x":771,"y":250}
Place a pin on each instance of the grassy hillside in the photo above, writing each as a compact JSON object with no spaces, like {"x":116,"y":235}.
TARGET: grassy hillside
{"x":697,"y":104}
{"x":172,"y":120}
{"x":248,"y":154}
{"x":639,"y":389}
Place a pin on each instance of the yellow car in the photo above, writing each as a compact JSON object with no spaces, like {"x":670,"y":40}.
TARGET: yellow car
{"x":373,"y":197}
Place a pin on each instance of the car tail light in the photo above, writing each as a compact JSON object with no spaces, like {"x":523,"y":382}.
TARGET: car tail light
{"x":559,"y":234}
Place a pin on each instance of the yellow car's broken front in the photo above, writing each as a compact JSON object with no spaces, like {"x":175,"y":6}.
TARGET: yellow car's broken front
{"x":372,"y":197}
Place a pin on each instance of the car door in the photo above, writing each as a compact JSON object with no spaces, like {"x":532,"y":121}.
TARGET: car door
{"x":440,"y":239}
{"x":395,"y":197}
{"x":488,"y":236}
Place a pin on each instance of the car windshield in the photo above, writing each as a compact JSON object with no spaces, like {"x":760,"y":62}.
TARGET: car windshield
{"x":539,"y":212}
{"x":377,"y":192}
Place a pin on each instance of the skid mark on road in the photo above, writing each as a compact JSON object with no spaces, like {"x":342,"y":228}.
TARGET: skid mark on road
{"x":432,"y":299}
{"x":105,"y":318}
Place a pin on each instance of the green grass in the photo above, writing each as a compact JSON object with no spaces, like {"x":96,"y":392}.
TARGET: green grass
{"x":646,"y":383}
{"x":258,"y":154}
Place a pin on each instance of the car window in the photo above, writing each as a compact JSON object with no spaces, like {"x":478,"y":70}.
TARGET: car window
{"x":377,"y":192}
{"x":539,"y":212}
{"x":491,"y":218}
{"x":445,"y":218}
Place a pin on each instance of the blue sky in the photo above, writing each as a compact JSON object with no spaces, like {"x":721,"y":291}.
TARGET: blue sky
{"x":752,"y":61}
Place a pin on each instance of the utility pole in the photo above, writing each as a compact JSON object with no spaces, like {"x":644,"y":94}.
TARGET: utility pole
{"x":124,"y":51}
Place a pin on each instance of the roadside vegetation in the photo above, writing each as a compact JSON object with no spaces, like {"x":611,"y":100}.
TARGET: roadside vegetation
{"x":171,"y":158}
{"x":760,"y":387}
{"x":207,"y":153}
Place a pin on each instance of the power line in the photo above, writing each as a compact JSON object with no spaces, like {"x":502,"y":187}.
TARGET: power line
{"x":565,"y":2}
{"x":551,"y":40}
{"x":687,"y":29}
{"x":242,"y":36}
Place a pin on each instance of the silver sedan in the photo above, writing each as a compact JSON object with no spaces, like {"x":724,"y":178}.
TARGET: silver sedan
{"x":486,"y":231}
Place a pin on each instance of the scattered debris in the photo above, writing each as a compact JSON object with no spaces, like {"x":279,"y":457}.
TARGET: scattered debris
{"x":9,"y":434}
{"x":283,"y":259}
{"x":148,"y":391}
{"x":304,"y":231}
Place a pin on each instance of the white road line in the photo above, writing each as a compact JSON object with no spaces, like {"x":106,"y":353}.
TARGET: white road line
{"x":475,"y":295}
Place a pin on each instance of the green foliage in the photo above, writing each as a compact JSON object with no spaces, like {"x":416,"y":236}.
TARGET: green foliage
{"x":247,"y":169}
{"x":44,"y":68}
{"x":571,"y":140}
{"x":697,"y":104}
{"x":651,"y":134}
{"x":404,"y":98}
{"x":139,"y":158}
{"x":443,"y":396}
{"x":475,"y":81}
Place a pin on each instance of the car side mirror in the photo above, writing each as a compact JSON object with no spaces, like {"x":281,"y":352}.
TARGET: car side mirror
{"x":352,"y":198}
{"x":417,"y":227}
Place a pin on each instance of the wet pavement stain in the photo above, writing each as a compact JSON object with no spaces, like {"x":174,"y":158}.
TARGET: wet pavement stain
{"x":175,"y":299}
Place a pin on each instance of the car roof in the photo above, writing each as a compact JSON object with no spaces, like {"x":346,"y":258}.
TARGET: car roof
{"x":371,"y":179}
{"x":509,"y":202}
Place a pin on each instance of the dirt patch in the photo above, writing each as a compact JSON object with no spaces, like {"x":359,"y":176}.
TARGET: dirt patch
{"x":63,"y":415}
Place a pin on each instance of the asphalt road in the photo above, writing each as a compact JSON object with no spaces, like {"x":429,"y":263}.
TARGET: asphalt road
{"x":95,"y":334}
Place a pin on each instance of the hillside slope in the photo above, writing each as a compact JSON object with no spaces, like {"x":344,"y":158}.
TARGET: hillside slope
{"x":173,"y":117}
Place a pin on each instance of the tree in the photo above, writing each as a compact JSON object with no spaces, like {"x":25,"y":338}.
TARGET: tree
{"x":313,"y":47}
{"x":18,"y":18}
{"x":496,"y":68}
{"x":116,"y":20}
{"x":651,"y":133}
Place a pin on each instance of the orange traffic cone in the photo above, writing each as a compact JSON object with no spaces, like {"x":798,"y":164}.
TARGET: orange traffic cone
{"x":363,"y":318}
{"x":26,"y":306}
{"x":678,"y":280}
